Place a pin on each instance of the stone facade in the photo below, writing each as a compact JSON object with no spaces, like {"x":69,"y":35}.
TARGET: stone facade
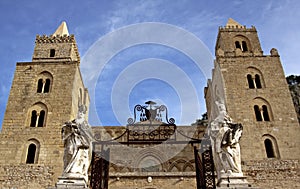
{"x":273,"y":173}
{"x":254,"y":89}
{"x":46,"y":92}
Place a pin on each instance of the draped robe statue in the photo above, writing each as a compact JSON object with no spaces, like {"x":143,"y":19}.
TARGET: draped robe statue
{"x":77,"y":136}
{"x":225,"y":137}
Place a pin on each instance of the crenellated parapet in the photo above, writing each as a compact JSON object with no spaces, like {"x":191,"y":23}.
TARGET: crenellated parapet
{"x":236,"y":28}
{"x":55,"y":39}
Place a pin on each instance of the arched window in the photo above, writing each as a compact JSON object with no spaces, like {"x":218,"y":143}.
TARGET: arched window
{"x":41,"y":119}
{"x":52,"y":52}
{"x":242,"y":42}
{"x":244,"y":46}
{"x":237,"y":45}
{"x":40,"y":86}
{"x":257,"y":113}
{"x":262,"y":113}
{"x":250,"y":81}
{"x":31,"y":153}
{"x":33,"y":118}
{"x":37,"y":119}
{"x":257,"y":81}
{"x":44,"y":82}
{"x":47,"y":86}
{"x":255,"y":78}
{"x":265,"y":113}
{"x":262,"y":110}
{"x":37,"y":115}
{"x":269,"y":148}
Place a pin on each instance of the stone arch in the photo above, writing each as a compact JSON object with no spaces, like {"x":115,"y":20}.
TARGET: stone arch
{"x":150,"y":164}
{"x":124,"y":169}
{"x":242,"y":43}
{"x":188,"y":166}
{"x":179,"y":164}
{"x":255,"y":78}
{"x":262,"y":110}
{"x":32,"y":148}
{"x":44,"y":82}
{"x":37,"y":115}
{"x":270,"y":146}
{"x":113,"y":168}
{"x":152,"y":157}
{"x":174,"y":168}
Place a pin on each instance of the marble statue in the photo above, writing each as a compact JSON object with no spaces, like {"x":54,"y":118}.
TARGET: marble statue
{"x":77,"y":137}
{"x":225,"y":136}
{"x":222,"y":118}
{"x":228,"y":149}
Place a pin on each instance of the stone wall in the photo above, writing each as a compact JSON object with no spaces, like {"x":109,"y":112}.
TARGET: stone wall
{"x":150,"y":181}
{"x":25,"y":176}
{"x":273,"y":174}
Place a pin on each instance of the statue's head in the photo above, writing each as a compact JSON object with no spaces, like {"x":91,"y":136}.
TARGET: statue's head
{"x":81,"y":111}
{"x":221,"y":106}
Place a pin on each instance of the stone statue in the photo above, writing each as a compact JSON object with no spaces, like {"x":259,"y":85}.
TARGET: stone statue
{"x":225,"y":136}
{"x":222,"y":118}
{"x":228,"y":148}
{"x":77,"y":136}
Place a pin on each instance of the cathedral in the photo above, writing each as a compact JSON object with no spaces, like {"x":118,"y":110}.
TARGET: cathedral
{"x":49,"y":90}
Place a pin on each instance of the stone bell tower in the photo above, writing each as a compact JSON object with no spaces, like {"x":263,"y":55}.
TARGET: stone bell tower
{"x":45,"y":93}
{"x":253,"y":87}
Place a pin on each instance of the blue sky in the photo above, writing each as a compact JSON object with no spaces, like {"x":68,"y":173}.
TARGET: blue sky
{"x":277,"y":23}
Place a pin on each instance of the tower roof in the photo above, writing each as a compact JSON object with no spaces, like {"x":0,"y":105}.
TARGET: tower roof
{"x":233,"y":23}
{"x":62,"y":29}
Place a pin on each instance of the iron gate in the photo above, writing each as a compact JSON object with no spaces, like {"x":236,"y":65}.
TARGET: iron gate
{"x":205,"y":171}
{"x":100,"y":169}
{"x":151,"y":133}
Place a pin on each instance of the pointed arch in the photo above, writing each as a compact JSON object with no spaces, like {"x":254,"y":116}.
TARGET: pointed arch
{"x":179,"y":164}
{"x":237,"y":45}
{"x":270,"y":146}
{"x":152,"y":157}
{"x":44,"y":82}
{"x":188,"y":166}
{"x":37,"y":115}
{"x":174,"y":168}
{"x":242,"y":42}
{"x":32,"y":151}
{"x":40,"y":86}
{"x":262,"y":109}
{"x":255,"y":78}
{"x":258,"y":81}
{"x":150,"y":164}
{"x":33,"y":118}
{"x":244,"y":46}
{"x":257,"y":113}
{"x":250,"y":81}
{"x":265,"y":113}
